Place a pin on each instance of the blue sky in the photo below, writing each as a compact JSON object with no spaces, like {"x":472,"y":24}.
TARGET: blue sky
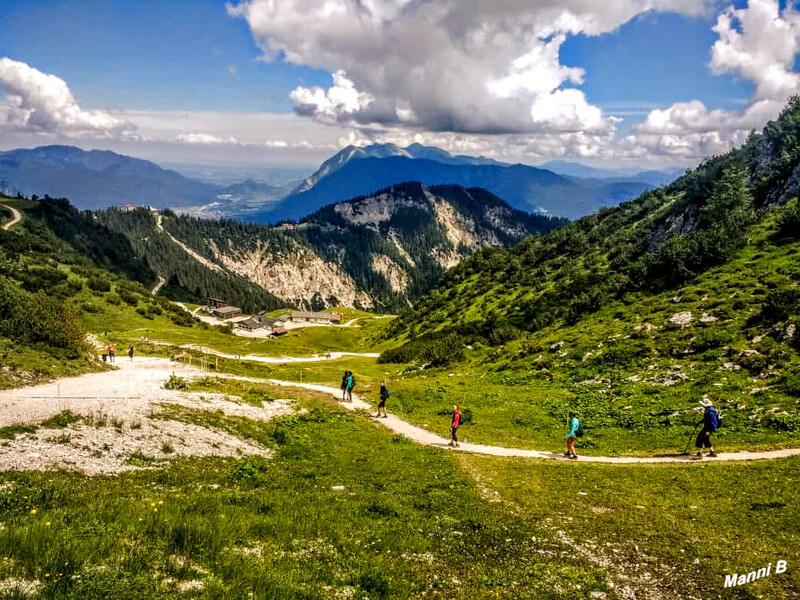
{"x":133,"y":57}
{"x":150,"y":55}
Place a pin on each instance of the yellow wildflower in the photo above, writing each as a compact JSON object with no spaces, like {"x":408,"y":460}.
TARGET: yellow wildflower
{"x":33,"y":511}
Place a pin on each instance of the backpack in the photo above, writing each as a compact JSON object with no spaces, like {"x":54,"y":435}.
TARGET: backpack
{"x":352,"y":381}
{"x":579,"y":432}
{"x":385,"y":393}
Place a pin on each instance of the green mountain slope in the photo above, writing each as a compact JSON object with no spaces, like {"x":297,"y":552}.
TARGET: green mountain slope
{"x":377,"y":252}
{"x":633,"y":314}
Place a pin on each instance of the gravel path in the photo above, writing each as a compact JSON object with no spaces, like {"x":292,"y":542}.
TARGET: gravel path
{"x":428,"y":438}
{"x":135,"y":389}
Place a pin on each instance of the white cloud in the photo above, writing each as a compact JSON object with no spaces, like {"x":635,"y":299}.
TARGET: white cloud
{"x":341,"y":99}
{"x":40,"y":103}
{"x":759,"y":43}
{"x":429,"y":65}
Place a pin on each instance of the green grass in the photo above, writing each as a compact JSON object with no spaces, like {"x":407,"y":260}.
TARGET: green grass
{"x":634,"y":378}
{"x":342,"y":507}
{"x":686,"y":526}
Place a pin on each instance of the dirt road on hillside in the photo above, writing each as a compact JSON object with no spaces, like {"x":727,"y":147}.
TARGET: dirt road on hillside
{"x":16,"y":217}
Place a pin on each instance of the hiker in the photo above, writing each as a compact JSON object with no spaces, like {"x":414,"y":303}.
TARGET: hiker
{"x":351,"y":383}
{"x":345,"y":379}
{"x":574,"y":425}
{"x":382,"y":403}
{"x":112,"y":350}
{"x":710,"y":422}
{"x":454,"y":427}
{"x":131,"y":352}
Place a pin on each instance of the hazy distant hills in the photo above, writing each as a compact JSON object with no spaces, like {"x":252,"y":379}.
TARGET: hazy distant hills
{"x":359,"y":171}
{"x":100,"y":178}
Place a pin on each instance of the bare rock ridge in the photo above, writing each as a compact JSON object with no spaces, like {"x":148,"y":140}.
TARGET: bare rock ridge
{"x":378,"y":252}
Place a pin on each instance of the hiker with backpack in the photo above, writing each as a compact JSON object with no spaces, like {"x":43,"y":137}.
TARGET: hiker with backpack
{"x":351,"y":383}
{"x":345,"y":379}
{"x":131,"y":352}
{"x":384,"y":395}
{"x":454,"y":425}
{"x":572,"y":434}
{"x":710,"y":423}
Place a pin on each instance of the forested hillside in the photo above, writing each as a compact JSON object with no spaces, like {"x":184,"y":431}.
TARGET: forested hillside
{"x":376,"y":252}
{"x":187,"y":280}
{"x":60,"y":269}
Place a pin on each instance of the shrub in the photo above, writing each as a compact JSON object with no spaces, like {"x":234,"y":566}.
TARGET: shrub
{"x":792,"y":385}
{"x":175,"y":383}
{"x":128,"y":297}
{"x":113,"y":299}
{"x":711,"y":338}
{"x":39,"y":319}
{"x":88,"y":307}
{"x":755,"y":363}
{"x":780,"y":303}
{"x":248,"y":470}
{"x":98,"y":284}
{"x":434,"y":351}
{"x":789,"y":222}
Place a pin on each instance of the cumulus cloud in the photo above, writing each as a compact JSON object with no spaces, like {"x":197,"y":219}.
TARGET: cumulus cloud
{"x":466,"y":66}
{"x":758,"y":43}
{"x":36,"y":102}
{"x":341,"y":99}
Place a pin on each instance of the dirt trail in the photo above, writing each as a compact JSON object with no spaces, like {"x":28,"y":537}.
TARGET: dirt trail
{"x":16,"y":217}
{"x":138,"y":385}
{"x":428,"y":438}
{"x":158,"y":286}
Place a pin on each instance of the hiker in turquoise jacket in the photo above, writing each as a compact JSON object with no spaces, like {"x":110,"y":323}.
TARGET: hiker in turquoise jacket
{"x":574,"y":425}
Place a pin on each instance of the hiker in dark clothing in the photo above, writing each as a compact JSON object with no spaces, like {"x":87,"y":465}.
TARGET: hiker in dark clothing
{"x":710,"y":423}
{"x":345,"y":379}
{"x":351,"y":383}
{"x":454,"y":427}
{"x":130,"y":351}
{"x":382,"y":403}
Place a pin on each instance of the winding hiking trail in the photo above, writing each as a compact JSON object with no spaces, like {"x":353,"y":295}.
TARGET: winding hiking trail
{"x":158,"y":286}
{"x":16,"y":217}
{"x":427,"y":438}
{"x":146,"y":374}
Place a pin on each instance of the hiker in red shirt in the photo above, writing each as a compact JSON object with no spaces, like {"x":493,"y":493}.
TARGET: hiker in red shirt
{"x":454,"y":427}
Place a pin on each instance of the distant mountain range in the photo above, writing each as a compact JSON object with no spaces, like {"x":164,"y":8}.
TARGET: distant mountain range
{"x":99,"y":178}
{"x":358,"y":171}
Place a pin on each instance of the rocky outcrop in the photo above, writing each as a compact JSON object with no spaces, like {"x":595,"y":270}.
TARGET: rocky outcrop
{"x":298,"y":276}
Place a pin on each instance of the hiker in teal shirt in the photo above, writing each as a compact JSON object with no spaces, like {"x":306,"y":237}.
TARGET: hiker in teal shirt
{"x":574,"y":425}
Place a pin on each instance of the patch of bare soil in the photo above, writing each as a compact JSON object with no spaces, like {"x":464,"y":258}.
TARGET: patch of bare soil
{"x":117,"y":430}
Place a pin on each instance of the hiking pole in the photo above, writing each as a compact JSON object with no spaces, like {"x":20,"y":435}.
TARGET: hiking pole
{"x":688,"y":443}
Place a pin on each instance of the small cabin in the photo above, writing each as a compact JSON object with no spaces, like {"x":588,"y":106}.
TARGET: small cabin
{"x":216,"y":303}
{"x":227,"y":312}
